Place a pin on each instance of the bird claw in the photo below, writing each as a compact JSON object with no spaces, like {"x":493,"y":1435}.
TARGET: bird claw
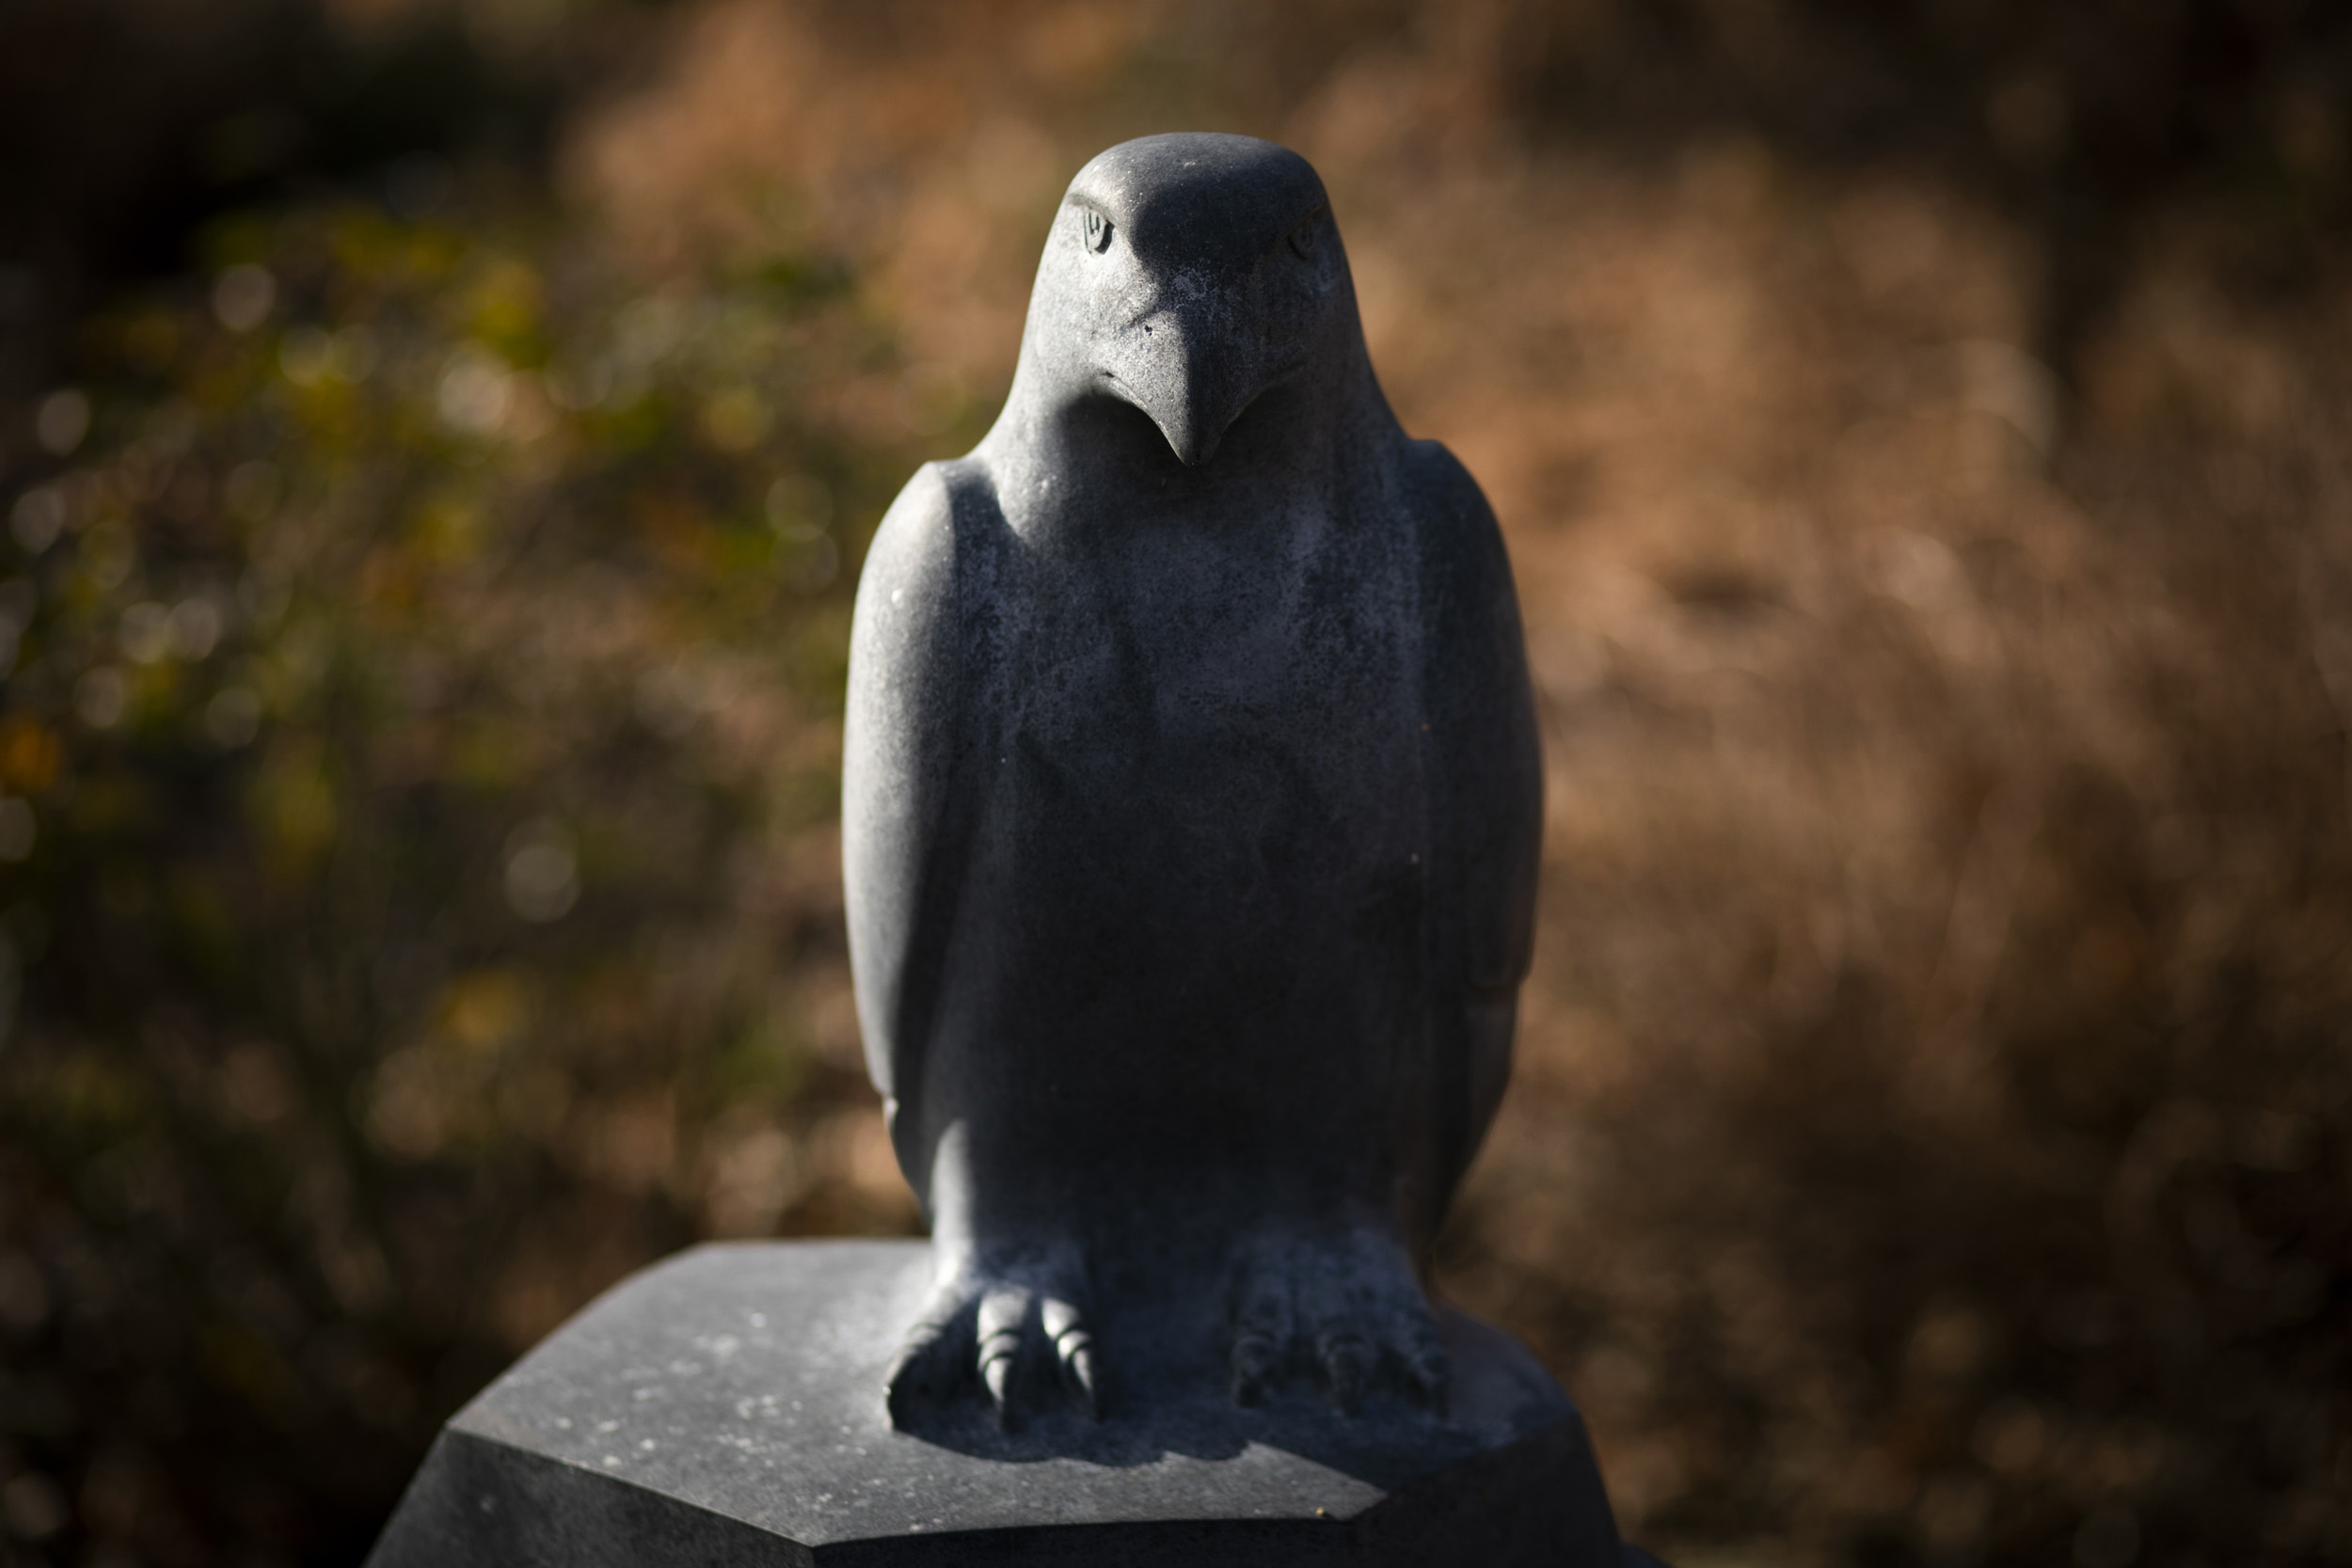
{"x":1349,"y":1307}
{"x":990,"y":1325}
{"x":1066,"y":1328}
{"x":1257,"y":1365}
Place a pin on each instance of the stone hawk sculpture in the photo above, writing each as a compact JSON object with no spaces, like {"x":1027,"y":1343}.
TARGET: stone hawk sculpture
{"x":1191,"y":810}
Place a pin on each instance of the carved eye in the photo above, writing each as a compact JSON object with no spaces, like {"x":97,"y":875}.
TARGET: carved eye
{"x":1098,"y":230}
{"x":1303,"y":237}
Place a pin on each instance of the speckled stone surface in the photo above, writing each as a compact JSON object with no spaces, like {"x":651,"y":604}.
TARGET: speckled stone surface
{"x":726,"y":1407}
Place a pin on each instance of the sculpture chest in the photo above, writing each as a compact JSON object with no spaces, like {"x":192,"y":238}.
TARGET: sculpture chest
{"x":1194,"y":761}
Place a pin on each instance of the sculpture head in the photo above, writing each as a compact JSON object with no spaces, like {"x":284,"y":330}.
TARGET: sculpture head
{"x":1189,"y":275}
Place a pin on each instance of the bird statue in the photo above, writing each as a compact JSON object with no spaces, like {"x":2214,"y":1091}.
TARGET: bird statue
{"x":1192,"y":801}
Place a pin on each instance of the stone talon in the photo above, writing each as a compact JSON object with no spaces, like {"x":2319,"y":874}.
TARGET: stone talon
{"x":1078,"y":1372}
{"x":1430,"y":1373}
{"x":1348,"y":1362}
{"x":1345,"y":1301}
{"x":1074,"y":1348}
{"x":987,"y":1322}
{"x":925,"y":1365}
{"x":1262,"y":1327}
{"x":1060,"y":1320}
{"x":1002,"y":1316}
{"x":1255,"y":1360}
{"x":997,"y":1376}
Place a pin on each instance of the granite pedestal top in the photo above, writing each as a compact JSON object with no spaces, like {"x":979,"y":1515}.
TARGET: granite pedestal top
{"x":726,"y":1407}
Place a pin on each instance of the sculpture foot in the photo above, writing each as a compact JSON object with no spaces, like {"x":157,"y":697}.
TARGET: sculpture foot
{"x":1010,"y":1321}
{"x":1344,"y":1303}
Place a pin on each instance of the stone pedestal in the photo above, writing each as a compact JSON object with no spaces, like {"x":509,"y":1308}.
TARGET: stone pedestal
{"x":726,"y":1408}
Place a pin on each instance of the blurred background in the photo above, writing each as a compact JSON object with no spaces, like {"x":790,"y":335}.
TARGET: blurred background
{"x":437,"y":445}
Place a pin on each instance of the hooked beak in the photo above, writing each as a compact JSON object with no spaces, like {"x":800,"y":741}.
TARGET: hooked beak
{"x":1189,"y":377}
